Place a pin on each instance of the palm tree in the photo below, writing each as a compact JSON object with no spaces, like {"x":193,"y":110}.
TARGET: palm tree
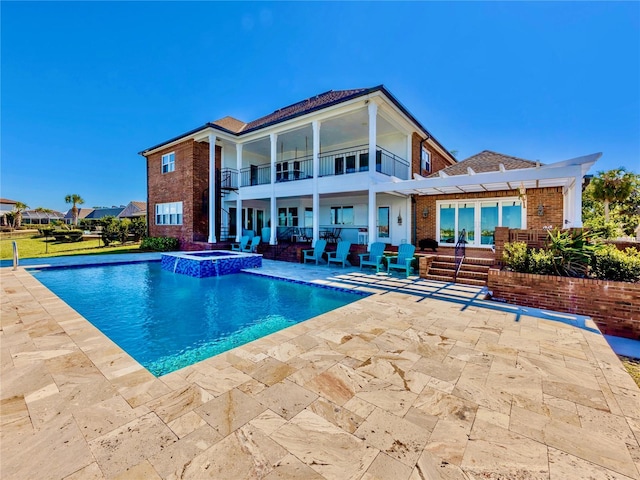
{"x":612,"y":186}
{"x":18,"y":208}
{"x":76,"y":200}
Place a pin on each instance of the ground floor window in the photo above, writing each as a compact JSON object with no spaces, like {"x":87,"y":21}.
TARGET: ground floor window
{"x":288,"y":216}
{"x":342,"y":215}
{"x":478,"y":218}
{"x":169,"y":213}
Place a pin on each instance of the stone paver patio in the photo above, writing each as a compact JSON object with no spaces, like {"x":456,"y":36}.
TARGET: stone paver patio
{"x":418,"y":381}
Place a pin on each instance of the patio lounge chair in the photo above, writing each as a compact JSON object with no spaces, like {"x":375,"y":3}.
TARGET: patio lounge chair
{"x":252,"y":247}
{"x":340,"y":255}
{"x":374,"y":256}
{"x":402,"y":261}
{"x":315,"y":253}
{"x":240,"y":247}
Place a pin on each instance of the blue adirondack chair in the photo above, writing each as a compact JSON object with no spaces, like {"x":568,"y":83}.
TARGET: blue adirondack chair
{"x":402,"y":261}
{"x":340,"y":255}
{"x":315,"y":253}
{"x":239,"y":247}
{"x":252,"y":247}
{"x":373,"y":256}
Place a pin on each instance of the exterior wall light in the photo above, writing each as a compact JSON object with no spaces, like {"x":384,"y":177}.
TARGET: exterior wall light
{"x":399,"y":218}
{"x":541,"y":210}
{"x":425,"y":212}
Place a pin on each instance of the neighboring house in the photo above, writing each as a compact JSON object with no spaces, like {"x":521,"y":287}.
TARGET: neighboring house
{"x":6,"y":206}
{"x":309,"y":166}
{"x":33,"y":217}
{"x":82,"y":213}
{"x":134,"y":210}
{"x":100,"y":212}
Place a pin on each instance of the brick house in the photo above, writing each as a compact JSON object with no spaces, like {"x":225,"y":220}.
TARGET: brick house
{"x":306,"y":170}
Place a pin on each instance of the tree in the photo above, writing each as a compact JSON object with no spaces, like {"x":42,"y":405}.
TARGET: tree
{"x":75,"y":199}
{"x":612,"y":186}
{"x":624,"y":214}
{"x":18,"y":208}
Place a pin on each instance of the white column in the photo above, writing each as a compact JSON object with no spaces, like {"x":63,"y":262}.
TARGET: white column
{"x":373,"y":115}
{"x":316,"y":172}
{"x":577,"y":201}
{"x":410,"y":157}
{"x":239,"y":201}
{"x":212,"y":189}
{"x":408,"y":221}
{"x":274,"y":215}
{"x":371,"y":226}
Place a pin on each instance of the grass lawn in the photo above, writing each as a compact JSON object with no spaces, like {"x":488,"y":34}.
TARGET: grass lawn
{"x":37,"y":247}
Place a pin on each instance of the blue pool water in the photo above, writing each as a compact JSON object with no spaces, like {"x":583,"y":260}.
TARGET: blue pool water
{"x":167,"y":321}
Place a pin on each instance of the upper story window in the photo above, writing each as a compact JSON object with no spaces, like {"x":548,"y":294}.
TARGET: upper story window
{"x":426,"y":160}
{"x":169,"y":162}
{"x":169,"y":213}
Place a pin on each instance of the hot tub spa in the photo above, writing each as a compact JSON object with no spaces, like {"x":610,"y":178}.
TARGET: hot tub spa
{"x":209,"y":263}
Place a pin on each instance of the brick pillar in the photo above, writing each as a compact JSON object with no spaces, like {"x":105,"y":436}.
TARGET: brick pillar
{"x":424,"y":263}
{"x":501,"y":236}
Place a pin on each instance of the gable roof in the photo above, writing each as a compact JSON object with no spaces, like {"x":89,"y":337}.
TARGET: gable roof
{"x":229,"y":123}
{"x":82,"y":213}
{"x":134,"y":209}
{"x":487,"y":161}
{"x":7,"y":201}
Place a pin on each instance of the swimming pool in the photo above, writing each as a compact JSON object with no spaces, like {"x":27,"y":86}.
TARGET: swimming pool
{"x":167,"y":321}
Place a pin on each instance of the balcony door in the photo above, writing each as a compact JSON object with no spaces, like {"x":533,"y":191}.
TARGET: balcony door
{"x":383,"y":222}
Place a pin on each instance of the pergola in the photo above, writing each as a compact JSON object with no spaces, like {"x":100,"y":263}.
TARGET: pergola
{"x":567,"y":174}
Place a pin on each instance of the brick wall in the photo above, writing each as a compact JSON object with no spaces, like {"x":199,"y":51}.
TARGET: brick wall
{"x":438,"y":162}
{"x":612,"y":305}
{"x":171,"y":187}
{"x":186,"y":184}
{"x":551,"y":198}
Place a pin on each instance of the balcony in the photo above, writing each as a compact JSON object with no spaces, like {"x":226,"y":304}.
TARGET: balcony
{"x":255,"y":175}
{"x":337,"y":162}
{"x":228,"y":179}
{"x":356,"y":159}
{"x":296,"y":169}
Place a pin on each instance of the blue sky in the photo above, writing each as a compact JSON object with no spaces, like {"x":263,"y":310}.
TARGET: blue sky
{"x":87,"y":85}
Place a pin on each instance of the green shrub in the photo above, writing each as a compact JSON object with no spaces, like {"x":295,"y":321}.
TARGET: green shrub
{"x":159,"y":244}
{"x":67,"y":236}
{"x":541,"y":262}
{"x":516,"y":256}
{"x":138,"y":228}
{"x":110,"y":229}
{"x":609,"y":263}
{"x":571,"y":252}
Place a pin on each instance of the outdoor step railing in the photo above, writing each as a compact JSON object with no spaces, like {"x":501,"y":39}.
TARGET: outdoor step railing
{"x":229,"y":179}
{"x":460,"y":251}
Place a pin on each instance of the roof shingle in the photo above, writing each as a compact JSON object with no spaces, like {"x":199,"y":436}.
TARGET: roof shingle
{"x":487,"y":161}
{"x":308,"y":105}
